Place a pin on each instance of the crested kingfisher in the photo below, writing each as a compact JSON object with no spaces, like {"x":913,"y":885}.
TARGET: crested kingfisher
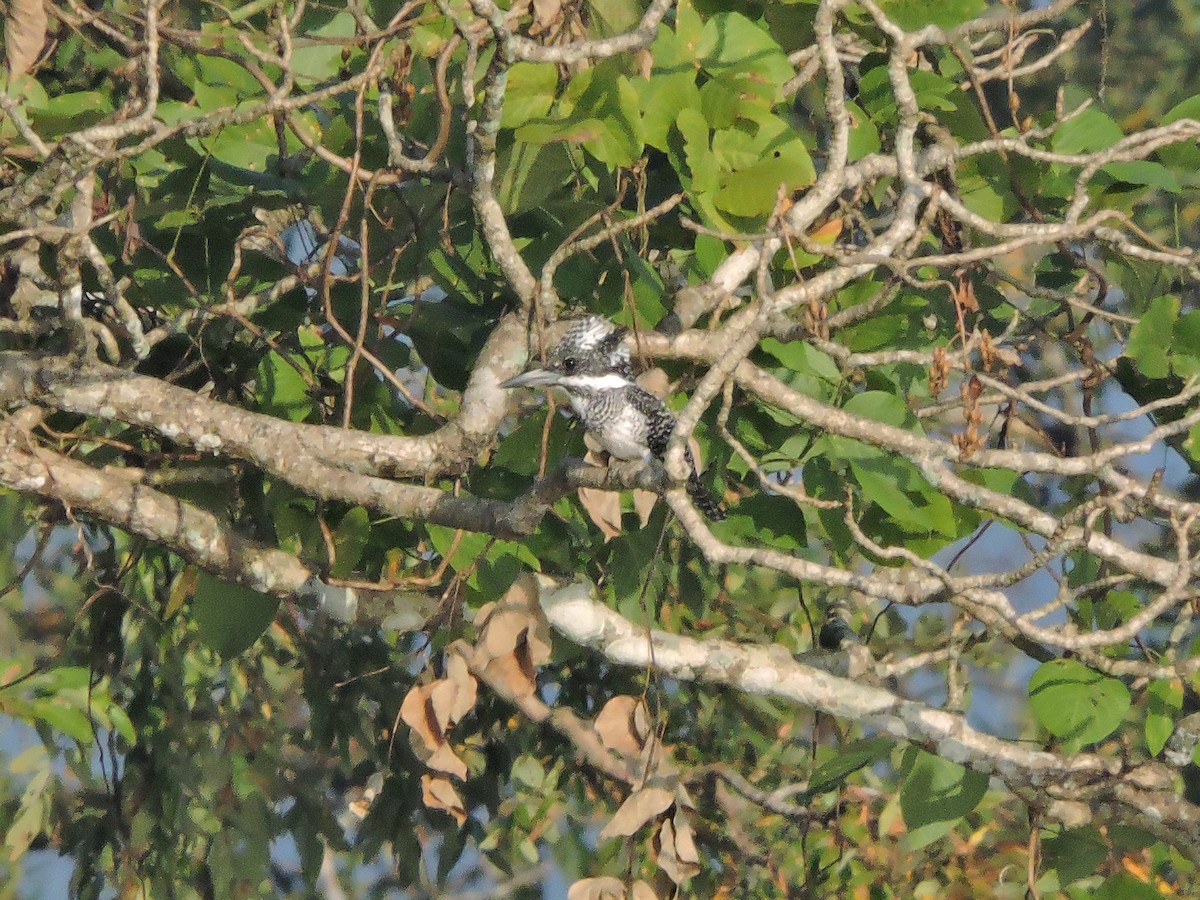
{"x":592,"y":365}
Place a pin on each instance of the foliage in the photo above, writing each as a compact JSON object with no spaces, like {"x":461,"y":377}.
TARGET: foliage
{"x":298,"y":599}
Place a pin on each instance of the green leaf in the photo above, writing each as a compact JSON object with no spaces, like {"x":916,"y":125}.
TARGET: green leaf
{"x":601,"y":114}
{"x":753,"y":191}
{"x":229,"y":617}
{"x":849,"y":759}
{"x":864,"y":136}
{"x":1187,"y":334}
{"x":1075,"y":853}
{"x":1143,"y":171}
{"x":1088,"y":131}
{"x":802,"y":357}
{"x":1075,"y":703}
{"x":282,"y":390}
{"x":734,"y":49}
{"x":880,"y":406}
{"x":1187,"y":109}
{"x":530,"y":92}
{"x":317,"y":60}
{"x":1165,"y":700}
{"x":914,"y":14}
{"x":350,"y":540}
{"x":1151,"y":337}
{"x":1125,"y":887}
{"x":68,"y":720}
{"x":935,"y":794}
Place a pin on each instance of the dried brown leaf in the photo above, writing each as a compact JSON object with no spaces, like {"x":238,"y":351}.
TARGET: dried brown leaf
{"x":505,"y":629}
{"x":643,"y":504}
{"x":443,"y":759}
{"x":416,"y":713}
{"x":964,"y":295}
{"x":458,"y":674}
{"x":513,"y":673}
{"x":24,"y":34}
{"x":517,"y":617}
{"x":523,"y":593}
{"x":638,"y":809}
{"x":622,"y":725}
{"x":677,"y":855}
{"x":609,"y":888}
{"x":655,"y":381}
{"x":452,"y":697}
{"x":545,"y":14}
{"x":439,"y":793}
{"x":604,"y":509}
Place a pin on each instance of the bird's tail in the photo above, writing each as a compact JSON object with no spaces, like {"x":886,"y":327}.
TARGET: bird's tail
{"x":705,"y":501}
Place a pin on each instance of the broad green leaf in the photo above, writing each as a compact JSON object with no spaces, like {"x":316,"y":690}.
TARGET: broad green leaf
{"x":733,"y":47}
{"x":317,"y":60}
{"x":530,"y":93}
{"x":1187,"y":334}
{"x":848,"y":760}
{"x":1075,"y":853}
{"x":350,"y":540}
{"x":1165,"y":700}
{"x":1143,"y":171}
{"x":754,"y":191}
{"x":864,"y":136}
{"x":935,"y":794}
{"x":69,"y":720}
{"x":914,"y":14}
{"x":880,"y":406}
{"x":800,"y":356}
{"x":1187,"y":109}
{"x":1150,"y":340}
{"x":1075,"y":703}
{"x":1091,"y":130}
{"x":933,"y":91}
{"x":1124,"y":886}
{"x":229,"y":617}
{"x":282,"y":390}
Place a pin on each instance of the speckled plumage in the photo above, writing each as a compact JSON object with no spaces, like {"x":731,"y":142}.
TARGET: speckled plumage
{"x":592,"y":365}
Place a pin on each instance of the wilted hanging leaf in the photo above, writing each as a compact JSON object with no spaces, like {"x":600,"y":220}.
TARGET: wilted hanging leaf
{"x":609,"y":888}
{"x":515,"y":670}
{"x":677,"y":854}
{"x":439,"y":793}
{"x":452,"y":697}
{"x":622,"y":725}
{"x":964,"y":295}
{"x":514,"y":638}
{"x":444,"y":759}
{"x":604,"y":509}
{"x":638,"y":809}
{"x":24,"y":34}
{"x":643,"y":504}
{"x":417,"y":715}
{"x":545,"y":14}
{"x":430,"y":710}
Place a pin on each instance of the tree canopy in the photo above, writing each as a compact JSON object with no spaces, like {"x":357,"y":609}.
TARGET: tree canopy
{"x":298,"y":600}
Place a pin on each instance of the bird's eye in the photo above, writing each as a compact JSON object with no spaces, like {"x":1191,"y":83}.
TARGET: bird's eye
{"x":570,"y":364}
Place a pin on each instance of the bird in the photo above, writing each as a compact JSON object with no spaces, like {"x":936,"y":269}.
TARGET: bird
{"x":592,"y":365}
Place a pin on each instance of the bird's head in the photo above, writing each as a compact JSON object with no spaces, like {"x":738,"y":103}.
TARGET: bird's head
{"x":591,"y":356}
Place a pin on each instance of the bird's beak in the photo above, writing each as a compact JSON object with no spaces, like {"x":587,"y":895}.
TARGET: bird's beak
{"x":532,"y":378}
